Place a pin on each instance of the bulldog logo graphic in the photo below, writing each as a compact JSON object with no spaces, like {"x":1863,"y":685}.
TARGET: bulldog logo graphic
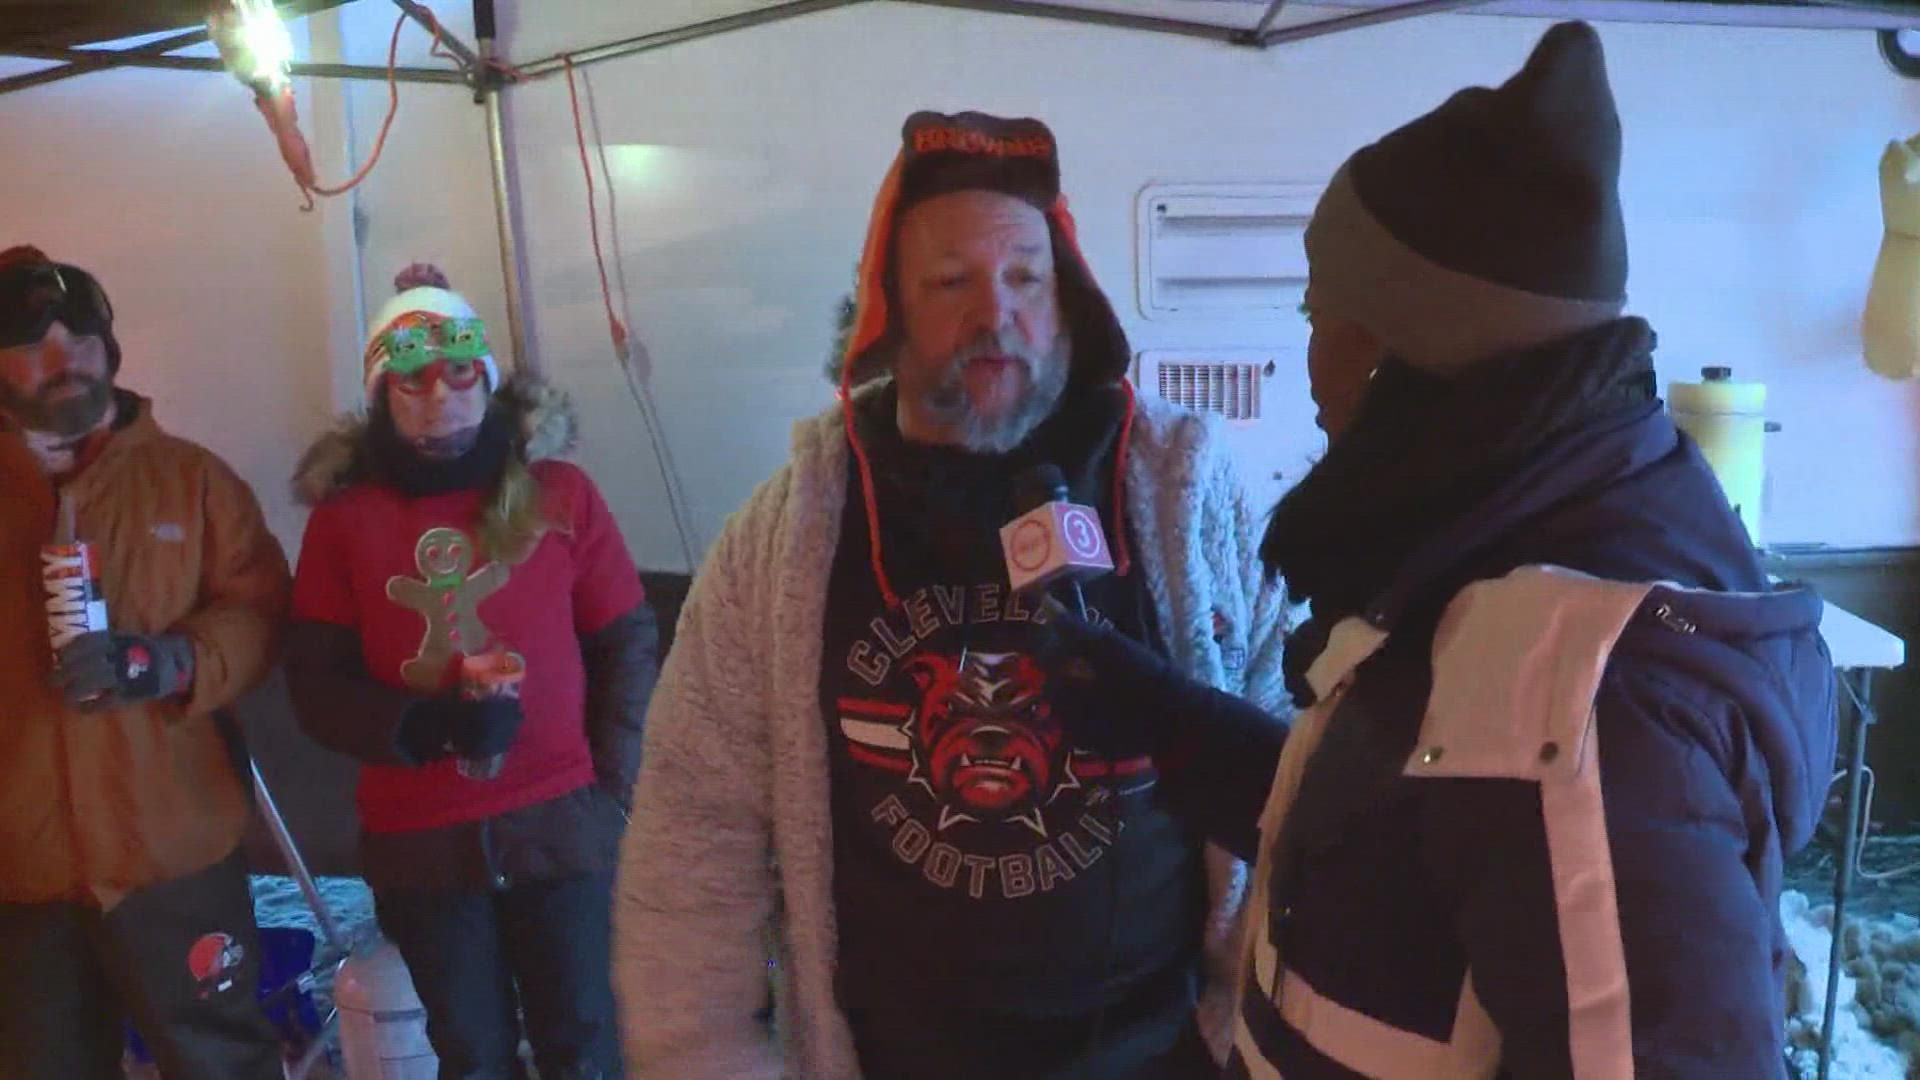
{"x":983,"y":740}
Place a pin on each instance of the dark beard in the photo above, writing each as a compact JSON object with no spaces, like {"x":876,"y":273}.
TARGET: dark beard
{"x":66,"y":418}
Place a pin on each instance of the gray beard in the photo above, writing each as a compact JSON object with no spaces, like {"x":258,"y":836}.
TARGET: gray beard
{"x":946,"y":404}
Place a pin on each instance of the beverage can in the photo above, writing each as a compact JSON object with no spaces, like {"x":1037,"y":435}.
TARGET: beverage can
{"x":490,"y":674}
{"x":76,"y":603}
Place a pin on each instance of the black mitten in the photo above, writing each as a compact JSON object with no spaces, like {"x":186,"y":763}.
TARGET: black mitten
{"x":436,"y":727}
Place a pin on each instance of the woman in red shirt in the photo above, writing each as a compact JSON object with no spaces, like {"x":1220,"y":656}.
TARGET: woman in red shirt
{"x":445,"y":535}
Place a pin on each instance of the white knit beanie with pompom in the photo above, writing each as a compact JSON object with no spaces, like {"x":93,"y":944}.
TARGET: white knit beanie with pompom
{"x":423,"y":292}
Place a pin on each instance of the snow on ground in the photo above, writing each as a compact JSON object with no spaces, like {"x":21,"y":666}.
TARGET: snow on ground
{"x":277,"y":902}
{"x":1877,"y":1025}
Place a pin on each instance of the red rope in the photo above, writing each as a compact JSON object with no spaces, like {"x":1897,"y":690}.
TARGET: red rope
{"x":513,"y":74}
{"x":283,"y":119}
{"x":614,"y":325}
{"x":393,"y":109}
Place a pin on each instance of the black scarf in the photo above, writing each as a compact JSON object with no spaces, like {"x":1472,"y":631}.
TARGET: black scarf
{"x":418,"y":476}
{"x":1426,"y":449}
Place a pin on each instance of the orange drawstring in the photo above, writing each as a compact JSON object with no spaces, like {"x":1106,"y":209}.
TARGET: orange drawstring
{"x":866,"y":489}
{"x":1122,"y":555}
{"x":869,"y":325}
{"x":870,"y":320}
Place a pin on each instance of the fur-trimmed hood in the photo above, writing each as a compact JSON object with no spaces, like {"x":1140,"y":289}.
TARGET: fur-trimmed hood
{"x":341,"y":458}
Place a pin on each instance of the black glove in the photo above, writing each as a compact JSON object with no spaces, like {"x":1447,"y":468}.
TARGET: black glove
{"x":436,"y":727}
{"x":106,"y":670}
{"x":1118,"y":696}
{"x":1215,"y":753}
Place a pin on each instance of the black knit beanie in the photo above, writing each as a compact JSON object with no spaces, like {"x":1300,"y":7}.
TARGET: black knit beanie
{"x":1490,"y":224}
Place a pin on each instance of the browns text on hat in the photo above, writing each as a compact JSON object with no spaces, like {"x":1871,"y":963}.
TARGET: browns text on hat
{"x":927,"y":140}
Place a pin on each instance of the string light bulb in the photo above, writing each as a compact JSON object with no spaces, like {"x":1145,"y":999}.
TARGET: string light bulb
{"x":254,"y":44}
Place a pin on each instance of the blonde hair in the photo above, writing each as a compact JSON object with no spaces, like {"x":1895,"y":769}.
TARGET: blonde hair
{"x":514,"y":521}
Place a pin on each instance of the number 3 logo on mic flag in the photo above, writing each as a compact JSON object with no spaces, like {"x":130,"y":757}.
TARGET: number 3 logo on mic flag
{"x":1082,"y":533}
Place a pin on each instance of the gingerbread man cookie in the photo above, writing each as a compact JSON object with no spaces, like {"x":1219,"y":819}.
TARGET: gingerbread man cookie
{"x":448,"y":597}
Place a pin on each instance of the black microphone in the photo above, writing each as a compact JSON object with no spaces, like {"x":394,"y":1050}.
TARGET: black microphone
{"x":1051,"y":537}
{"x":1037,"y":486}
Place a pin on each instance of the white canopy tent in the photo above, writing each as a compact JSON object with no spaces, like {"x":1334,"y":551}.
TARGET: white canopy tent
{"x":71,"y":36}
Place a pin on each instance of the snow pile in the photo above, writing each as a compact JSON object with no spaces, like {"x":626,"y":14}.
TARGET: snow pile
{"x":1877,"y":1026}
{"x":277,"y":902}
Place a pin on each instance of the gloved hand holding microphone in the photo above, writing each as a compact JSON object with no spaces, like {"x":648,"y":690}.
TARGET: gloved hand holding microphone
{"x":1215,"y":753}
{"x":1117,"y":687}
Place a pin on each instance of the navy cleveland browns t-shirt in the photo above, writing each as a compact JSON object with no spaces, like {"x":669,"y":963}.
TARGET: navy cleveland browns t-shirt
{"x":1002,"y":896}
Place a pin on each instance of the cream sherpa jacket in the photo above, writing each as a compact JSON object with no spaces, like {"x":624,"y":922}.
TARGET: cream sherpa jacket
{"x":728,"y":863}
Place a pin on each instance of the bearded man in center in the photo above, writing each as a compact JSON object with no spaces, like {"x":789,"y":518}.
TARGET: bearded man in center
{"x":864,"y":840}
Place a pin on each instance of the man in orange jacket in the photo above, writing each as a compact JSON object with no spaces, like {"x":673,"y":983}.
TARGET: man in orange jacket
{"x":122,"y":889}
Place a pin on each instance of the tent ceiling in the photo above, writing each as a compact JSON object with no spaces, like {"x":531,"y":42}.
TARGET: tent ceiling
{"x":36,"y":26}
{"x":1837,"y":14}
{"x":1241,"y":14}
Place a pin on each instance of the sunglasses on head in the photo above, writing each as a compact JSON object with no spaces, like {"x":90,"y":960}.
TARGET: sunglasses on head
{"x":413,"y":346}
{"x":34,"y":296}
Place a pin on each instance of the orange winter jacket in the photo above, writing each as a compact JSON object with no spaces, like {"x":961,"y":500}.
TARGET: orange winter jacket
{"x":96,"y":805}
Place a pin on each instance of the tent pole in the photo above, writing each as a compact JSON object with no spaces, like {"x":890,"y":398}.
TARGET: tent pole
{"x":487,"y":90}
{"x":1096,"y":17}
{"x":214,"y":63}
{"x":1266,"y":21}
{"x":681,"y":34}
{"x":1359,"y":19}
{"x":419,"y":14}
{"x":102,"y":59}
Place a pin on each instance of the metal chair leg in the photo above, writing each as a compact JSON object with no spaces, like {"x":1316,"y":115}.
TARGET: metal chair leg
{"x":296,"y":865}
{"x":1849,"y":855}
